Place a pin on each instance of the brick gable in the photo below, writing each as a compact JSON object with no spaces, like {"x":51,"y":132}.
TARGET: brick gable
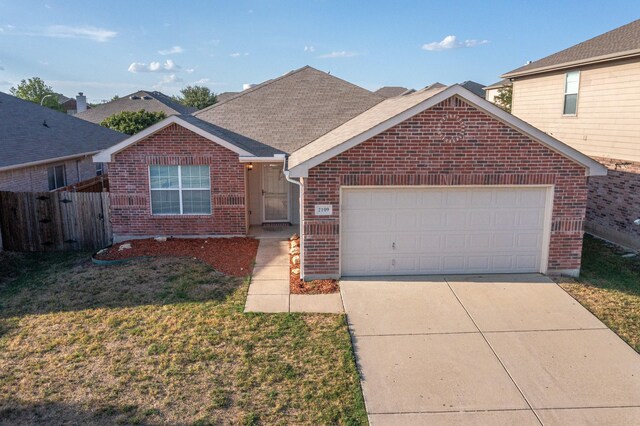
{"x":175,"y":145}
{"x":452,"y":143}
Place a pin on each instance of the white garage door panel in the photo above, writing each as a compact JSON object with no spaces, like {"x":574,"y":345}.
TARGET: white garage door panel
{"x":403,"y":231}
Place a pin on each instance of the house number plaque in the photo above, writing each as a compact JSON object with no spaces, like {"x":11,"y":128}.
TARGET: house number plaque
{"x":324,"y":209}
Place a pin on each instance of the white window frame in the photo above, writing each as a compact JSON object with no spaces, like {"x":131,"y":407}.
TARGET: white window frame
{"x":179,"y":189}
{"x":577,"y":93}
{"x":99,"y":169}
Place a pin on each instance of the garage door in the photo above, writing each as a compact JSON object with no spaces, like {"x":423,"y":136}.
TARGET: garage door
{"x":405,"y":231}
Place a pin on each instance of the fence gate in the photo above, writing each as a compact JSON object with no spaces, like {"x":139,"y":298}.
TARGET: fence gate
{"x":48,"y":221}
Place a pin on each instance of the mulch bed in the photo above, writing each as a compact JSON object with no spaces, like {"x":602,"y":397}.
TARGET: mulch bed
{"x":299,"y":286}
{"x":231,"y":256}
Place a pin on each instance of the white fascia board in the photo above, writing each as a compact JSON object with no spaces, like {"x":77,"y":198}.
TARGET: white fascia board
{"x":273,"y":159}
{"x":593,"y":167}
{"x":106,"y":156}
{"x":47,"y":161}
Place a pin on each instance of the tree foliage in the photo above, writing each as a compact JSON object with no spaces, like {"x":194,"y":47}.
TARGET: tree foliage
{"x":196,"y":96}
{"x":131,"y":122}
{"x":34,"y":90}
{"x":504,"y":97}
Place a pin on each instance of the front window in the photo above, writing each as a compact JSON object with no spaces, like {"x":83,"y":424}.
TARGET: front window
{"x":57,"y":178}
{"x":180,"y":189}
{"x":571,"y":86}
{"x":99,"y":169}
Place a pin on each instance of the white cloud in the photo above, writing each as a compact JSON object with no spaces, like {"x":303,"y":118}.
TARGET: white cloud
{"x":451,"y":42}
{"x":238,"y":54}
{"x":189,"y":70}
{"x":168,"y":80}
{"x":166,"y":66}
{"x":171,"y":51}
{"x":309,"y":49}
{"x":340,"y":54}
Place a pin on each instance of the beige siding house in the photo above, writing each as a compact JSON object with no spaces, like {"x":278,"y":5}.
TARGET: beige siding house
{"x":588,"y":96}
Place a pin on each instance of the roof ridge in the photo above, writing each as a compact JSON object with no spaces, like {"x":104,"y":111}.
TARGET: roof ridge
{"x":251,"y":89}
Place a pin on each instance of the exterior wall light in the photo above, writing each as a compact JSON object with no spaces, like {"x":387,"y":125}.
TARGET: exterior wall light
{"x":250,"y":166}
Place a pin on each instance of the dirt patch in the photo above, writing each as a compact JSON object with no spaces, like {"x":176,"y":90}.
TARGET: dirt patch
{"x":231,"y":256}
{"x":299,"y":286}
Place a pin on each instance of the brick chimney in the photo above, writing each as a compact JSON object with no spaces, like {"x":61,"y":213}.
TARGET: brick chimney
{"x":81,"y":102}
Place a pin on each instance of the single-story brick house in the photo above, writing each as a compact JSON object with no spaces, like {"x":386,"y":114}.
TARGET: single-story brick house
{"x":436,"y":181}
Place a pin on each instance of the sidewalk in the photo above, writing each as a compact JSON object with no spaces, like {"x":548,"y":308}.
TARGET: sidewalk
{"x":269,"y":287}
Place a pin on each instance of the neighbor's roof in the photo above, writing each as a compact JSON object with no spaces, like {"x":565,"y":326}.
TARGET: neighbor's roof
{"x":621,"y":42}
{"x":394,"y":111}
{"x":245,"y":147}
{"x":25,"y":139}
{"x":221,"y":97}
{"x":290,"y":111}
{"x":473,"y":87}
{"x":505,"y":82}
{"x":149,"y":101}
{"x":392,"y":91}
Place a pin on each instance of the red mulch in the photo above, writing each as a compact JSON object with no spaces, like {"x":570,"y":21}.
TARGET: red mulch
{"x":298,"y":286}
{"x":231,"y":256}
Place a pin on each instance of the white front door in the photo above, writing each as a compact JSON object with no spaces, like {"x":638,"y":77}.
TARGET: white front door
{"x":436,"y":230}
{"x":275,"y":194}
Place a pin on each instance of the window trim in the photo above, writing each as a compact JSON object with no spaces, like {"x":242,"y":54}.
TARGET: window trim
{"x":179,"y":189}
{"x":64,"y":176}
{"x":565,"y":93}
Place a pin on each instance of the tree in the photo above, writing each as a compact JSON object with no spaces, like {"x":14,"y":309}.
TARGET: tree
{"x":131,"y":122}
{"x":35,"y":90}
{"x":503,"y":98}
{"x":196,"y":96}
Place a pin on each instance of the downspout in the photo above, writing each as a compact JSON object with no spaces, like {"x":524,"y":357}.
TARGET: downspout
{"x":300,"y":206}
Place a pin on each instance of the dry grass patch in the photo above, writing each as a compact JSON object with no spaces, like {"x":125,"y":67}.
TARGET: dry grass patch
{"x":609,"y":286}
{"x":162,"y":341}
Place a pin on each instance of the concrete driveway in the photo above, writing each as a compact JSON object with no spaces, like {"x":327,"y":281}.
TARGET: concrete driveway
{"x":496,"y":350}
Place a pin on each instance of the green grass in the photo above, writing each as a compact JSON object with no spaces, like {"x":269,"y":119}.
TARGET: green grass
{"x":162,"y":341}
{"x":609,"y":286}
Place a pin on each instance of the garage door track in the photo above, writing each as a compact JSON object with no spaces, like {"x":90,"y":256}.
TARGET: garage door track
{"x":508,"y":349}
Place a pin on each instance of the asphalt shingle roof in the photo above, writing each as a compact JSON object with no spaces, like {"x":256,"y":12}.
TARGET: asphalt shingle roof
{"x":149,"y":101}
{"x":621,"y":40}
{"x":391,"y":91}
{"x":473,"y":87}
{"x":254,"y":147}
{"x":24,"y":137}
{"x":290,"y":111}
{"x":380,"y":113}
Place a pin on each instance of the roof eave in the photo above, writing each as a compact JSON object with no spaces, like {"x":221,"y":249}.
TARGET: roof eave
{"x":106,"y":155}
{"x":572,"y":64}
{"x":46,"y":161}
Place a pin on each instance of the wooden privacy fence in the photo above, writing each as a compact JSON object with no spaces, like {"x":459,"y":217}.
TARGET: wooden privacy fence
{"x":48,"y":221}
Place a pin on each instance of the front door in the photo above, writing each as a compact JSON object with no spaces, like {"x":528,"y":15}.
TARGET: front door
{"x":275,"y":194}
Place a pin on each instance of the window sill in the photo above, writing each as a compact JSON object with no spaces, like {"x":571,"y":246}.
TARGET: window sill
{"x":181,"y":216}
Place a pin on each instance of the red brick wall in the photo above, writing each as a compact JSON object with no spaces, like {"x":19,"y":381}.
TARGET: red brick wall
{"x":614,"y":202}
{"x":175,"y":145}
{"x":476,"y":150}
{"x":36,"y":178}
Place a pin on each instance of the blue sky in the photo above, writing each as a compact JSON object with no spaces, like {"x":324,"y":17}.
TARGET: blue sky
{"x":118,"y":47}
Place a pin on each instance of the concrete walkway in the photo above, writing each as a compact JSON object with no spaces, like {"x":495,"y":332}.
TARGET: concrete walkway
{"x":269,"y":287}
{"x":486,"y":350}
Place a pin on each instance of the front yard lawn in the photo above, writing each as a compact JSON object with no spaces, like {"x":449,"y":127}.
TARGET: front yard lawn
{"x":609,"y":286}
{"x":162,"y":341}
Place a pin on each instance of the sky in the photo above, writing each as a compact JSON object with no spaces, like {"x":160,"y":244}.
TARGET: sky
{"x":104,"y":48}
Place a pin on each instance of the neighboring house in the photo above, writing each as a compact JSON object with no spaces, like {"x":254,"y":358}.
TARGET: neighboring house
{"x":437,"y":181}
{"x":148,"y":101}
{"x":42,"y":149}
{"x":475,"y":88}
{"x":221,"y":97}
{"x":72,"y":106}
{"x":588,"y":96}
{"x":392,"y":91}
{"x":490,"y":92}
